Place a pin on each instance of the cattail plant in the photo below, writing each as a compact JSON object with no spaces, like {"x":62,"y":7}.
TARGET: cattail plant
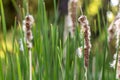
{"x":70,"y":22}
{"x":114,"y":29}
{"x":87,"y":45}
{"x":117,"y":58}
{"x":27,"y":25}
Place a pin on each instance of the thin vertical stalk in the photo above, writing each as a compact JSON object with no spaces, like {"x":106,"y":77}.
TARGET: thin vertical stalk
{"x":1,"y":70}
{"x":3,"y":22}
{"x":30,"y":63}
{"x":19,"y":68}
{"x":75,"y":67}
{"x":55,"y":11}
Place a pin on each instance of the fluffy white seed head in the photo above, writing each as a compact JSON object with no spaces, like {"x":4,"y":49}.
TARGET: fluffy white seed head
{"x":27,"y":25}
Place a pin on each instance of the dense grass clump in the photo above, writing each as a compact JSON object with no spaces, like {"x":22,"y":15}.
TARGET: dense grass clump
{"x":48,"y":48}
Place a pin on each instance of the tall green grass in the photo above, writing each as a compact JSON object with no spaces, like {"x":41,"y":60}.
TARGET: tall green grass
{"x":47,"y":51}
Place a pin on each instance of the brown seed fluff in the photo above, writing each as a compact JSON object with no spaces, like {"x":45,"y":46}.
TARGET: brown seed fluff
{"x":87,"y":45}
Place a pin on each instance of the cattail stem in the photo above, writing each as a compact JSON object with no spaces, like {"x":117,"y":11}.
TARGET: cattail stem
{"x":30,"y":63}
{"x":75,"y":69}
{"x":85,"y":72}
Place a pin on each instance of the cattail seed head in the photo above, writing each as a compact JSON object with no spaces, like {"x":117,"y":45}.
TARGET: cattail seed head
{"x":87,"y":45}
{"x":27,"y":25}
{"x":29,"y":19}
{"x":72,"y":11}
{"x":83,"y":20}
